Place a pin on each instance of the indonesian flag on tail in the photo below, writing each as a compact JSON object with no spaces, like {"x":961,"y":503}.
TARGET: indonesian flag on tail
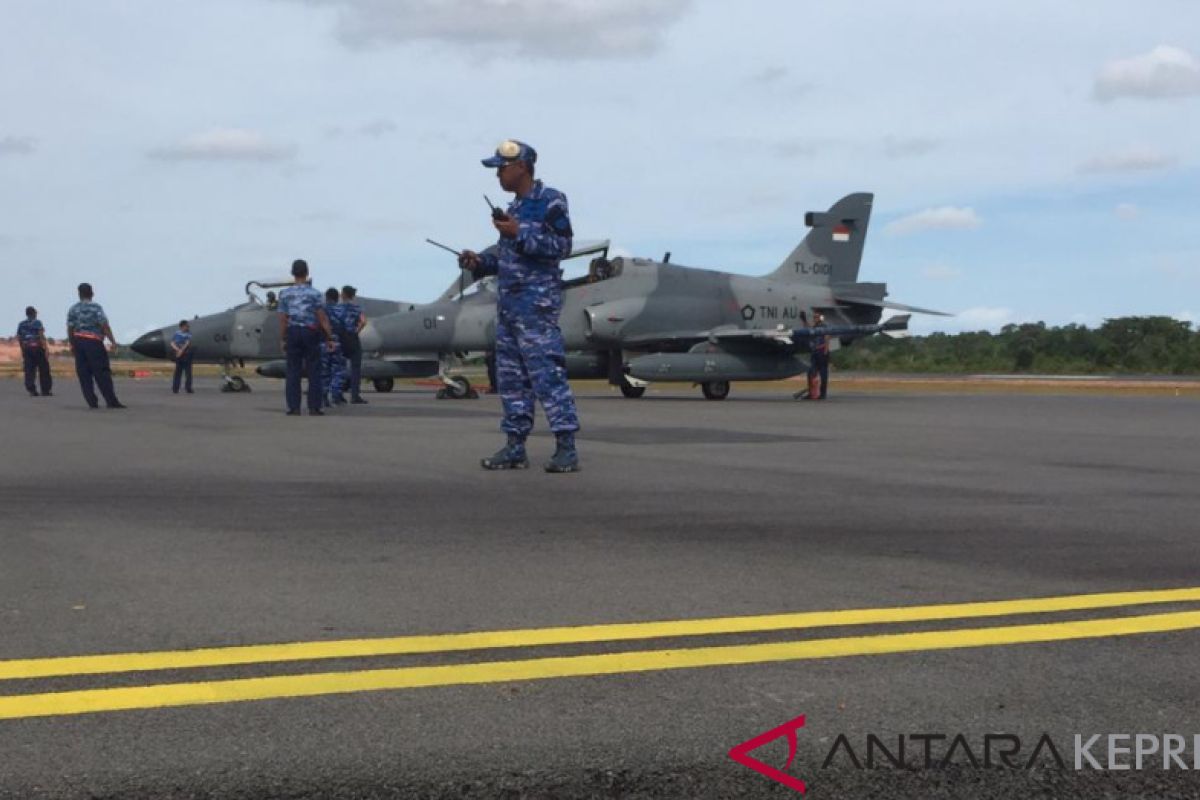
{"x":841,"y":233}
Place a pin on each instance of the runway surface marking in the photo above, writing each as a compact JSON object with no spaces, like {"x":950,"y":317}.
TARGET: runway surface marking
{"x":23,"y":669}
{"x":330,"y":683}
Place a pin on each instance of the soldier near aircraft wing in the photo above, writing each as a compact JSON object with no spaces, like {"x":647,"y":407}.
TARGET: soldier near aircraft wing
{"x":678,"y":323}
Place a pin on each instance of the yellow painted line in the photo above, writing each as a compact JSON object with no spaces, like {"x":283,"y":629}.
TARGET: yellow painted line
{"x":457,"y":642}
{"x":329,"y":683}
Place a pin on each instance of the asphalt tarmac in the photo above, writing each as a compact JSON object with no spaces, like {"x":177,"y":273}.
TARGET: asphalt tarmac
{"x":213,"y":521}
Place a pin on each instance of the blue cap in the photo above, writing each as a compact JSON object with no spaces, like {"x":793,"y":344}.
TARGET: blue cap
{"x":511,"y":150}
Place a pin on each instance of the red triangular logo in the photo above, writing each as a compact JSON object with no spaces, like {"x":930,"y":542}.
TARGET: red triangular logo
{"x":741,"y":753}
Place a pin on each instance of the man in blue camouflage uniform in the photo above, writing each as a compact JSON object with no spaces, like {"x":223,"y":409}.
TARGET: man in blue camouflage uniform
{"x":333,"y":362}
{"x":31,"y":335}
{"x":353,"y":321}
{"x":87,"y":327}
{"x":181,"y":349}
{"x":302,"y":320}
{"x":535,"y":234}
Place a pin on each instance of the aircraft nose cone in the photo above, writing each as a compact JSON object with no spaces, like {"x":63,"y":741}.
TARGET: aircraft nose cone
{"x":151,"y":345}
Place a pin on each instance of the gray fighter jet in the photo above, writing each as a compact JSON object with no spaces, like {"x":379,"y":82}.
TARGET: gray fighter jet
{"x":250,"y":332}
{"x":635,"y":320}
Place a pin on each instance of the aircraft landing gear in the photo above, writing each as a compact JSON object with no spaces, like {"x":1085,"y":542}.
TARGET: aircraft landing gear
{"x":715,"y":390}
{"x":456,"y":388}
{"x":383,"y":384}
{"x":630,"y":387}
{"x":230,"y":382}
{"x":631,"y":391}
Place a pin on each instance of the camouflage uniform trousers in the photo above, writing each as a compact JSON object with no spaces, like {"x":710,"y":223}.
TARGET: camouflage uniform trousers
{"x":530,"y":364}
{"x":333,"y":370}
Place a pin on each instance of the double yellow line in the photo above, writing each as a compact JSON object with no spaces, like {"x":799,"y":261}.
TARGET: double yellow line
{"x":326,"y":683}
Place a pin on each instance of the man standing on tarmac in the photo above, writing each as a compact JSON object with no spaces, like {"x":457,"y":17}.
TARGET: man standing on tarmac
{"x":819,"y":347}
{"x":181,"y":349}
{"x":333,"y":362}
{"x":354,"y":321}
{"x":301,"y":322}
{"x":31,"y":335}
{"x":87,"y":327}
{"x":535,"y":234}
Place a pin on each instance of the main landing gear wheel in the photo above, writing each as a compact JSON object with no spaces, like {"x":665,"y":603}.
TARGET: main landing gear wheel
{"x":234,"y":383}
{"x":631,"y":391}
{"x":384,"y":384}
{"x":715,"y":390}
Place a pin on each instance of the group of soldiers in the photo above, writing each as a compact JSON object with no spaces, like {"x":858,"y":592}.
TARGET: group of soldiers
{"x":320,"y":335}
{"x":87,"y":328}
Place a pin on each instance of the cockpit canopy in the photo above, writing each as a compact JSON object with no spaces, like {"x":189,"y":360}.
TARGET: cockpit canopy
{"x":599,"y":269}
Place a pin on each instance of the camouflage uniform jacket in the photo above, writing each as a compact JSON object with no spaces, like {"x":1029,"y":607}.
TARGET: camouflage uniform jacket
{"x":29,"y":332}
{"x":87,"y":318}
{"x":526,"y":265}
{"x":300,"y":304}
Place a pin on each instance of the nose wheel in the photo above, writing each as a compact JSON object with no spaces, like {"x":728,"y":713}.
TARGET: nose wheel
{"x":384,"y":384}
{"x":456,"y":388}
{"x":231,"y":382}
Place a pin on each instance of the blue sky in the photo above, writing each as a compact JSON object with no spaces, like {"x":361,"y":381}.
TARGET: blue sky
{"x":1030,"y":161}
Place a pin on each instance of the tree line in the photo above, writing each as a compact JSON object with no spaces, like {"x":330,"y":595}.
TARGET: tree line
{"x":1134,"y":345}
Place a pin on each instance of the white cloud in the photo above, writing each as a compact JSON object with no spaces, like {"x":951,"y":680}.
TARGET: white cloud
{"x":1190,"y":317}
{"x":943,"y":218}
{"x":778,"y":82}
{"x":322,"y":217}
{"x":799,"y":148}
{"x":378,"y":127}
{"x":1127,"y":211}
{"x":1163,"y":72}
{"x":17,"y":146}
{"x":225,"y":144}
{"x":941,"y":272}
{"x":907,"y":148}
{"x":554,"y":29}
{"x":769,"y":75}
{"x":1129,"y":161}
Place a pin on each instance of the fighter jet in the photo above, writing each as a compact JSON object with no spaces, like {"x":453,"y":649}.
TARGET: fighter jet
{"x":250,"y":332}
{"x":636,"y":320}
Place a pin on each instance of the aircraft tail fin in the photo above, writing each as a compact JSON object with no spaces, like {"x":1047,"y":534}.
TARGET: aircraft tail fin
{"x":832,"y":250}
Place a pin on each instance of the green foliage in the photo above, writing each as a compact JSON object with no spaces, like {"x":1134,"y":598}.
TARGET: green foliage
{"x":1135,"y":345}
